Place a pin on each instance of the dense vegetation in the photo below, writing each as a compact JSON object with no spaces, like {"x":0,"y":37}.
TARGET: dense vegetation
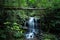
{"x":11,"y":21}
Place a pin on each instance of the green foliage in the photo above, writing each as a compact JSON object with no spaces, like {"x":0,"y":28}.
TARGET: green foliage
{"x":49,"y":37}
{"x":13,"y":19}
{"x":2,"y":35}
{"x":16,"y":30}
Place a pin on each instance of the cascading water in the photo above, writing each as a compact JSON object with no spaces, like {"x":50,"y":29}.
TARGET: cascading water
{"x":32,"y":28}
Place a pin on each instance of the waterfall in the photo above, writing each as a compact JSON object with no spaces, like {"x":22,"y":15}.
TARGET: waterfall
{"x":32,"y":22}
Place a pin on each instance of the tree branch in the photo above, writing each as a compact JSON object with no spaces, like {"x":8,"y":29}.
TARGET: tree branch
{"x":18,"y":8}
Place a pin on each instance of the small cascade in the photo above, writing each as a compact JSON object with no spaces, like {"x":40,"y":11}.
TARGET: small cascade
{"x":32,"y":28}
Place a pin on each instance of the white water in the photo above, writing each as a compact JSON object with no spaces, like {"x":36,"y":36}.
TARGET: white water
{"x":31,"y":30}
